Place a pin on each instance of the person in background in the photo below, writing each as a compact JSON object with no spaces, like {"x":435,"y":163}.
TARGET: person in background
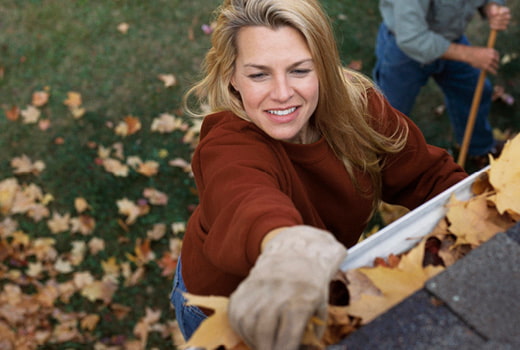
{"x":419,"y":39}
{"x":292,"y":162}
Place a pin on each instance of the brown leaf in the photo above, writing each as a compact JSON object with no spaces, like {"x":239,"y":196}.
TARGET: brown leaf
{"x":13,"y":113}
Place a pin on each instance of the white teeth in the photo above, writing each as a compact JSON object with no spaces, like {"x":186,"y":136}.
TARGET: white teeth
{"x":284,"y":112}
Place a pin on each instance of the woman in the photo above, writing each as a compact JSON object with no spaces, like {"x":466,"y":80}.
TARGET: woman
{"x":291,"y":165}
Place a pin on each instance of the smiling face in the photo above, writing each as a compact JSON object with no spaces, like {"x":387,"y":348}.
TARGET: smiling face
{"x":277,"y":81}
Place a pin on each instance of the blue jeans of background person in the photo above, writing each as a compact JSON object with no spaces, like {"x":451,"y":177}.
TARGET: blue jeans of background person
{"x":188,"y":317}
{"x":401,"y":78}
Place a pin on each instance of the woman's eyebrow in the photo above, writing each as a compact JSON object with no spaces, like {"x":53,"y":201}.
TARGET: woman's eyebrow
{"x":260,"y":66}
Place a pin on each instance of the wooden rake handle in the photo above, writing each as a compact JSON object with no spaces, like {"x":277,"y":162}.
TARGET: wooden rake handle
{"x":474,"y":106}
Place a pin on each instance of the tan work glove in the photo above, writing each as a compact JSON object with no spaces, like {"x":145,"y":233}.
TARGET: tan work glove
{"x":287,"y":286}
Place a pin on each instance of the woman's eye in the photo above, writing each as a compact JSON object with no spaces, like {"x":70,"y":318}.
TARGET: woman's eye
{"x":257,"y":76}
{"x":301,"y":71}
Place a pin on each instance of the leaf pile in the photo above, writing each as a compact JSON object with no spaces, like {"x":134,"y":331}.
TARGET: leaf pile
{"x":494,"y":207}
{"x":58,"y":282}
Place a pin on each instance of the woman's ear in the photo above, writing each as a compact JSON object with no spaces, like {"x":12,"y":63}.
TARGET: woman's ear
{"x":233,"y":84}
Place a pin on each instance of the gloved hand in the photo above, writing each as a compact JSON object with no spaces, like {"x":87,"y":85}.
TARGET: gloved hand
{"x":287,"y":286}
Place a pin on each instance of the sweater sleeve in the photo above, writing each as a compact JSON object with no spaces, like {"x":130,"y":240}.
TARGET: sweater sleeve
{"x":420,"y":171}
{"x":241,"y":187}
{"x":412,"y":31}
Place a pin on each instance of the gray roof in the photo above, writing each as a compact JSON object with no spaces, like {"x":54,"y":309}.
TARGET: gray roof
{"x":473,"y":304}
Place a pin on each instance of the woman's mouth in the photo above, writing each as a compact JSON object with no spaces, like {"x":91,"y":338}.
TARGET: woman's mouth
{"x":281,"y":112}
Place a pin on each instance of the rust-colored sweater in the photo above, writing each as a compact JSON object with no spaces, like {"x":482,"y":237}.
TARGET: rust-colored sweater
{"x":249,"y":184}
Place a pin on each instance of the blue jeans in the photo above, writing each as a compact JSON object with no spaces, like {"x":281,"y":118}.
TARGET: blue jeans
{"x":188,"y":317}
{"x":401,"y":78}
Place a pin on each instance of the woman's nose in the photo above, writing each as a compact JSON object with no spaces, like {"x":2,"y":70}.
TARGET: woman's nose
{"x":281,"y":90}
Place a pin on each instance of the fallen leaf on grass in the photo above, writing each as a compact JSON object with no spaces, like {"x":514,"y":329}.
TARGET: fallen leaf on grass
{"x":167,"y":123}
{"x":115,"y":167}
{"x":73,"y":99}
{"x":44,"y":124}
{"x":143,"y":252}
{"x":123,"y":27}
{"x":40,"y":98}
{"x":130,"y":209}
{"x":81,"y":204}
{"x":24,"y":165}
{"x":90,"y":322}
{"x":99,"y":290}
{"x":12,"y":113}
{"x":157,"y":232}
{"x":168,"y":79}
{"x":155,"y":196}
{"x":96,"y":245}
{"x":30,"y":115}
{"x":84,"y":224}
{"x":168,"y":264}
{"x":129,"y":126}
{"x":8,"y":189}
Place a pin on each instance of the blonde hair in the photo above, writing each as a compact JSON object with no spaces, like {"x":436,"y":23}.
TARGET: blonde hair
{"x":341,"y":115}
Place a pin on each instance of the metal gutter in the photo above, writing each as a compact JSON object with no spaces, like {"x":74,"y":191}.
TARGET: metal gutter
{"x":405,"y":232}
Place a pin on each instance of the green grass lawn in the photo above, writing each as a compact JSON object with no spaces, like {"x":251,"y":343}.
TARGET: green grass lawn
{"x":59,"y":47}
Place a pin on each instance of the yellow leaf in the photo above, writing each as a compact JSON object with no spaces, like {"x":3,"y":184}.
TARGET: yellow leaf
{"x":77,"y":112}
{"x":395,"y":284}
{"x":504,"y":175}
{"x":473,"y":221}
{"x":111,"y":267}
{"x":73,"y":99}
{"x":8,"y":189}
{"x":81,"y":204}
{"x":215,"y":330}
{"x":90,"y":322}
